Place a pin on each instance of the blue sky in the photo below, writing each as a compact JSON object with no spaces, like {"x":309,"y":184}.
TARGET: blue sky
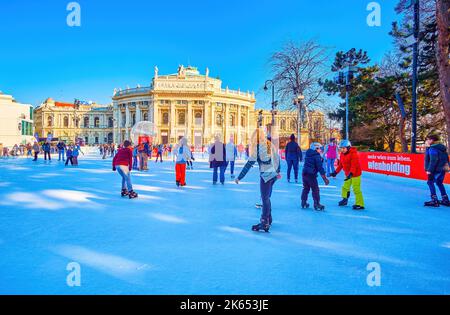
{"x":120,"y":42}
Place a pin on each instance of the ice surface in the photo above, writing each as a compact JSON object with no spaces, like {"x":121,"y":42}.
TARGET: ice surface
{"x":197,"y":239}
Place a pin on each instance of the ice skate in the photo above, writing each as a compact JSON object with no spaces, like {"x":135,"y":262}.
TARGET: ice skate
{"x":258,"y":206}
{"x":132,"y":194}
{"x":261,"y":226}
{"x":124,"y":192}
{"x":319,"y":207}
{"x":343,"y":202}
{"x":444,"y":201}
{"x":434,"y":202}
{"x":305,"y":205}
{"x":357,"y":207}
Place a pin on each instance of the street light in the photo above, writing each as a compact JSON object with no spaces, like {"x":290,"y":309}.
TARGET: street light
{"x":274,"y":103}
{"x":298,"y":103}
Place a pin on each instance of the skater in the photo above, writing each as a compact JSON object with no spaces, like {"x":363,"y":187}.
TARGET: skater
{"x":265,"y":154}
{"x":190,"y":165}
{"x":135,"y":158}
{"x":122,"y":162}
{"x":349,"y":162}
{"x":75,"y":154}
{"x":46,"y":148}
{"x":61,"y":149}
{"x":182,"y":155}
{"x":217,"y":160}
{"x":69,"y":156}
{"x":330,"y":154}
{"x":231,"y":153}
{"x":313,"y":165}
{"x":294,"y":156}
{"x":436,"y":167}
{"x":159,"y":153}
{"x":144,"y":150}
{"x":36,"y":150}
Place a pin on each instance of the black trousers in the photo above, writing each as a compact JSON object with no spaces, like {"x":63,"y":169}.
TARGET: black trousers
{"x":69,"y":159}
{"x":310,"y":183}
{"x":47,"y":154}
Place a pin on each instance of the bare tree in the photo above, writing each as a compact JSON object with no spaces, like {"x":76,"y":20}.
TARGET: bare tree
{"x":297,"y":69}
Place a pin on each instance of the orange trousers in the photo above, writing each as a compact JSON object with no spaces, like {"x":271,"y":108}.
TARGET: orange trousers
{"x":180,"y":173}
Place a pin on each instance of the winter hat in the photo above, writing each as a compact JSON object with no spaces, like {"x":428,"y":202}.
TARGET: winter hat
{"x":292,"y":137}
{"x":345,"y":144}
{"x":315,"y":145}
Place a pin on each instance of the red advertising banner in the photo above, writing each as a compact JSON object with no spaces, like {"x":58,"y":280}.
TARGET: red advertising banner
{"x":395,"y":164}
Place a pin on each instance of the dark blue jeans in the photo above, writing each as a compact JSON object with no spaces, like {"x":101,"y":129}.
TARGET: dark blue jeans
{"x":310,"y":183}
{"x":231,"y":167}
{"x":292,"y":164}
{"x":222,"y":169}
{"x":266,"y":193}
{"x":437,"y":179}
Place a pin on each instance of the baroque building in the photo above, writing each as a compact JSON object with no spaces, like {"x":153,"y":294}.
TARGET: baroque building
{"x":89,"y":122}
{"x":196,"y":106}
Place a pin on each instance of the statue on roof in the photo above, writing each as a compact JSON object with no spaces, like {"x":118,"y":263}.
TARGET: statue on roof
{"x":156,"y":72}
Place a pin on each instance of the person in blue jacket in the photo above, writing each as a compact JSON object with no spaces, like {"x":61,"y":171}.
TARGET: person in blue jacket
{"x":294,"y":156}
{"x":312,"y":166}
{"x":436,"y":166}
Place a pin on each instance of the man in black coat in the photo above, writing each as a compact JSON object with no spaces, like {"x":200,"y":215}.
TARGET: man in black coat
{"x":293,"y":155}
{"x":436,"y":167}
{"x":312,"y":166}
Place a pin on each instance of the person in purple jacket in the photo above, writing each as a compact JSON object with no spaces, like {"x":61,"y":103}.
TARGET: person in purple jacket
{"x":330,"y":154}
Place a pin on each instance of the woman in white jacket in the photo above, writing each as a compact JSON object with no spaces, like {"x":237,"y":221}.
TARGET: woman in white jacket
{"x":182,"y":154}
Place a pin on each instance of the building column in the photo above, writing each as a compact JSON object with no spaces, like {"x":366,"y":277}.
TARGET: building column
{"x":153,"y":115}
{"x":213,"y":119}
{"x":127,"y":120}
{"x":238,"y":121}
{"x":189,"y":117}
{"x":173,"y":133}
{"x":119,"y":124}
{"x":205,"y":116}
{"x":226,"y":122}
{"x":138,"y":113}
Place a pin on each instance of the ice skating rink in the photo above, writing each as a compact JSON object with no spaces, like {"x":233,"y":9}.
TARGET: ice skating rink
{"x":197,"y":239}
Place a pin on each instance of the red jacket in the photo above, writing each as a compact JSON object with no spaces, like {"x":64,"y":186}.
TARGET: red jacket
{"x":349,"y":162}
{"x":123,"y":157}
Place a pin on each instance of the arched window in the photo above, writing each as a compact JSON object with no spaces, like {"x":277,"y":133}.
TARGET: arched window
{"x":96,"y":122}
{"x":283,"y":124}
{"x":133,"y":119}
{"x":181,"y":118}
{"x":77,"y":122}
{"x":219,"y":120}
{"x":145,"y":116}
{"x":66,"y":121}
{"x":243,"y":119}
{"x":198,"y":118}
{"x":293,"y":125}
{"x":110,"y":122}
{"x":232,"y":120}
{"x":49,"y":121}
{"x":165,"y":118}
{"x":86,"y":122}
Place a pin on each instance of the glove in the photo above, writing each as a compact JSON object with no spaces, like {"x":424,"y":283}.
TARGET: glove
{"x":325,"y":180}
{"x":114,"y":169}
{"x":348,"y":177}
{"x":333,"y":174}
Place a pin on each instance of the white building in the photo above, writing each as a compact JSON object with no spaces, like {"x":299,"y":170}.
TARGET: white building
{"x":16,"y":122}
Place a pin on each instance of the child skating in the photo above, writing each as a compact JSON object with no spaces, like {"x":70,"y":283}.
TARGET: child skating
{"x":349,"y":162}
{"x":123,"y":162}
{"x":182,"y":155}
{"x":313,"y":166}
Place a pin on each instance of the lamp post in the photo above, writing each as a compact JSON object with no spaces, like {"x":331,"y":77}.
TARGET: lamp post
{"x":298,"y":103}
{"x":416,"y":5}
{"x":274,"y":103}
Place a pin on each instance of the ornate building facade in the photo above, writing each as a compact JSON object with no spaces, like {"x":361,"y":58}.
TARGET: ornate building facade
{"x":92,"y":123}
{"x":196,"y":106}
